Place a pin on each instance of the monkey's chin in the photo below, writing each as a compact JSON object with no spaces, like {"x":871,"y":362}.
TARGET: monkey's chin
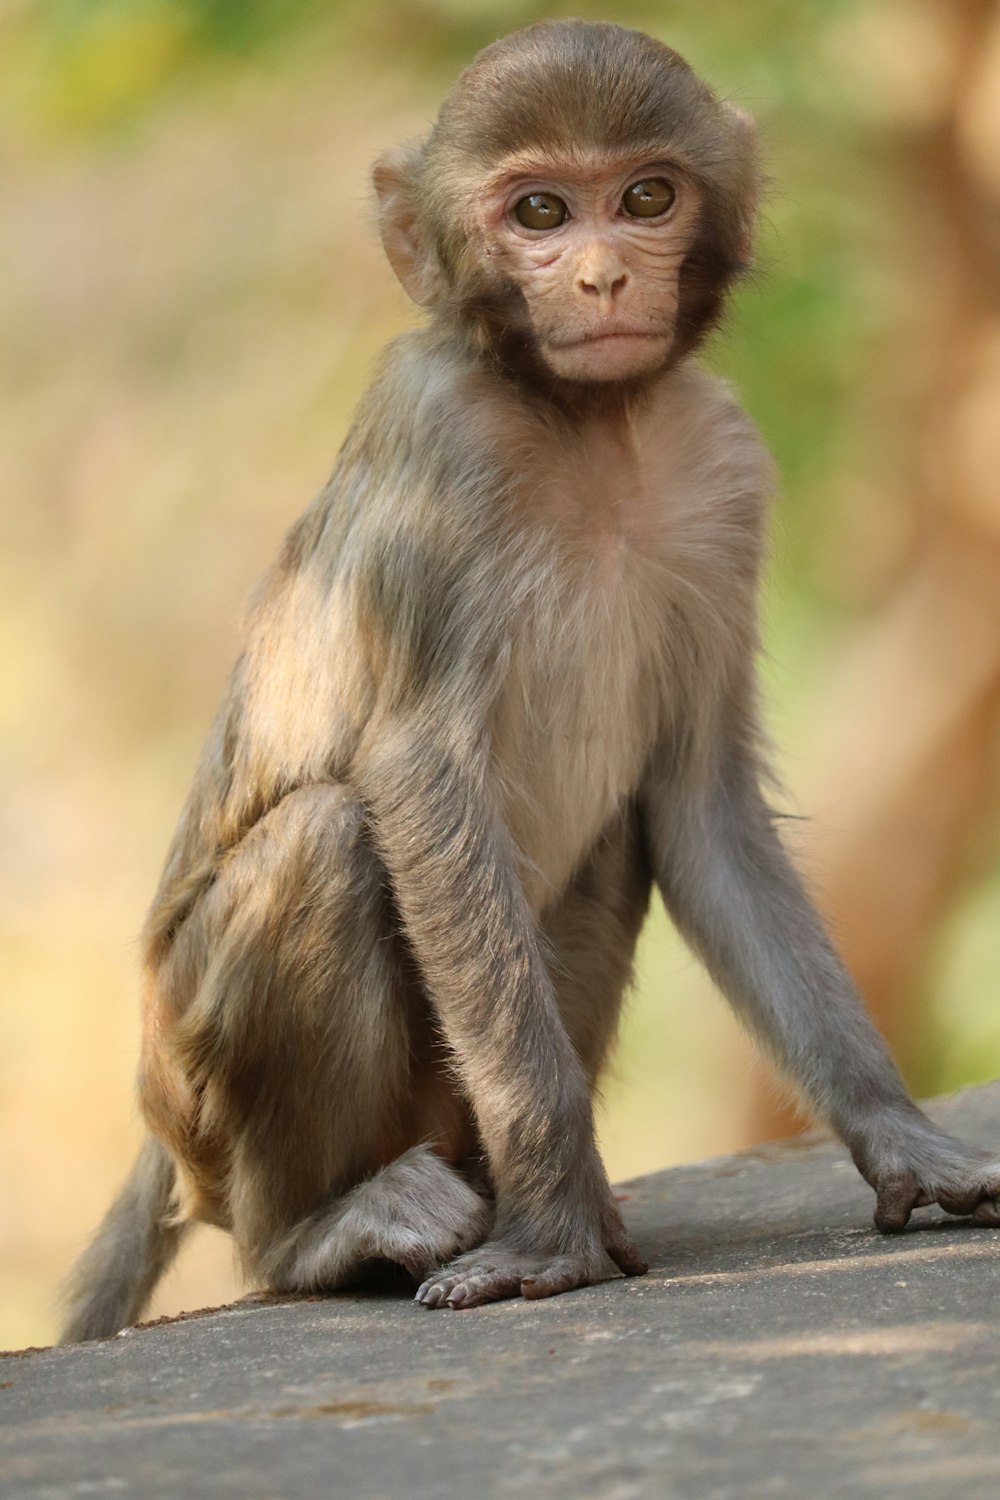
{"x":614,"y":356}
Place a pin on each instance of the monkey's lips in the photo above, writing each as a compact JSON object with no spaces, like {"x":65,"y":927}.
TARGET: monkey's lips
{"x":608,"y":353}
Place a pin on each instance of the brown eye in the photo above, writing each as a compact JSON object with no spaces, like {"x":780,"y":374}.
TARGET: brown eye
{"x":540,"y":211}
{"x":646,"y":199}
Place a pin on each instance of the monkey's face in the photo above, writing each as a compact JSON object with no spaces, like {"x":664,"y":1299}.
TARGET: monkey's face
{"x":581,"y":207}
{"x":595,"y":249}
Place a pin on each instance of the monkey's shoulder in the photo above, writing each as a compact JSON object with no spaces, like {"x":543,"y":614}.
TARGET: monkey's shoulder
{"x":712,"y":439}
{"x":412,"y":492}
{"x":433,"y":408}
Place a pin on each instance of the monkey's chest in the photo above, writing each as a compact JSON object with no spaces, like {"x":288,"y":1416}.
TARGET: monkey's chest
{"x":575,"y":723}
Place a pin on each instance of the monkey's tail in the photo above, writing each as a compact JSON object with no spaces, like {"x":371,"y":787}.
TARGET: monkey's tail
{"x":138,"y":1238}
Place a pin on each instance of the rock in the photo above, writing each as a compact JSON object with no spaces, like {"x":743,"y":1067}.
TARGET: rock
{"x":778,"y":1347}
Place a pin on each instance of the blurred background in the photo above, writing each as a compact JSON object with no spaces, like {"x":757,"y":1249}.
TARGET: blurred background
{"x":191,"y":296}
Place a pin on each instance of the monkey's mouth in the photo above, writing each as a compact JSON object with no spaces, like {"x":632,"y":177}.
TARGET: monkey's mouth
{"x":609,"y":354}
{"x":605,"y":336}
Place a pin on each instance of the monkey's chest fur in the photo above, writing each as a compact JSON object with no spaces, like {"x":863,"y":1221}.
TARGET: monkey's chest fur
{"x":576,"y":718}
{"x":639,"y":551}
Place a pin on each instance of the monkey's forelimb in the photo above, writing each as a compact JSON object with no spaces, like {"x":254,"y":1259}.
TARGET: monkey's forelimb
{"x":136,"y":1242}
{"x":736,"y":896}
{"x":453,"y":874}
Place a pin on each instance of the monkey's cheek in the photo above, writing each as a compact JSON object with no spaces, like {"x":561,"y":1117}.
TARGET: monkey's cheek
{"x":616,"y":357}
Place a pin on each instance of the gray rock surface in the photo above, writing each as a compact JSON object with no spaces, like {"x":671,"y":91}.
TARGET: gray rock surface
{"x":778,"y":1347}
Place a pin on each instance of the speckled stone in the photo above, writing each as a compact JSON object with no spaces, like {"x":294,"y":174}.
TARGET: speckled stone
{"x":778,"y":1347}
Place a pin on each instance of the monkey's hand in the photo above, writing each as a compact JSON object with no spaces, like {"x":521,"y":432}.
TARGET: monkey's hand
{"x":500,"y":1269}
{"x":922,"y":1166}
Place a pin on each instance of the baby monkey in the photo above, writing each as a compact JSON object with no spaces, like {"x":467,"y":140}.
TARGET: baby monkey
{"x":500,"y":680}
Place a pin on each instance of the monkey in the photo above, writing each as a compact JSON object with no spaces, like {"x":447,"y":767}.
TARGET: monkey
{"x":499,"y":682}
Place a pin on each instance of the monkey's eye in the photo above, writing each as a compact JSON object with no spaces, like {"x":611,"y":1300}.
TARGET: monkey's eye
{"x":648,"y":198}
{"x":540,"y":211}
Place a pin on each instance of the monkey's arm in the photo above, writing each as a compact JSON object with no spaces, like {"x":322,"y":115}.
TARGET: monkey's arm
{"x":474,"y":938}
{"x":736,"y":897}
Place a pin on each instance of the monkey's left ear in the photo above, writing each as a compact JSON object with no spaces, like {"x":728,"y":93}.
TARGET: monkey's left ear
{"x":396,"y":176}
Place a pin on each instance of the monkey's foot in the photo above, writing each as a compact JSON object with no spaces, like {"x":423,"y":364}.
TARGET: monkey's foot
{"x":492,"y":1273}
{"x":961,"y":1180}
{"x":417,"y":1212}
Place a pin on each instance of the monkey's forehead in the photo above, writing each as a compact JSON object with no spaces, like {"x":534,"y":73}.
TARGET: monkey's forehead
{"x":567,"y":84}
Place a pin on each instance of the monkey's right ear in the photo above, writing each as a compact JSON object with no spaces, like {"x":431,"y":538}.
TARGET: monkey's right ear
{"x":746,"y":160}
{"x":395,"y":176}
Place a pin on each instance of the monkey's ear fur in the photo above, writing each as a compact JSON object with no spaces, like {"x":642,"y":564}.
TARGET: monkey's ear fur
{"x":396,"y":177}
{"x":745,"y":130}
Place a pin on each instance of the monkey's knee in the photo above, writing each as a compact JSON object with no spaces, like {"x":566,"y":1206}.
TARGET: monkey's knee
{"x":299,"y":899}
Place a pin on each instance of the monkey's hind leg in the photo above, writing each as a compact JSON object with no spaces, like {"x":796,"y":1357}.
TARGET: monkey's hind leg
{"x":417,"y":1212}
{"x":324,"y":1126}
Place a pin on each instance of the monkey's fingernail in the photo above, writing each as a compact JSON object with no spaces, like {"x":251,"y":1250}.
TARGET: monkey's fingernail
{"x":528,"y":1280}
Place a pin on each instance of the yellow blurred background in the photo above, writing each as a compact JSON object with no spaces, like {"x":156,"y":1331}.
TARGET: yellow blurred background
{"x":191,"y":296}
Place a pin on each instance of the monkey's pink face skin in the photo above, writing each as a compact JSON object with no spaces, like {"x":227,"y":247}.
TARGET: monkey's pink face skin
{"x":596,"y":249}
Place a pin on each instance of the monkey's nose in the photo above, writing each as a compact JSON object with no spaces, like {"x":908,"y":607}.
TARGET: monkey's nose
{"x":603,"y":284}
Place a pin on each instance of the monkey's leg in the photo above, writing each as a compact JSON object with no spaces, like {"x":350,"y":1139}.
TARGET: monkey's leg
{"x":731,"y":888}
{"x":306,"y":1044}
{"x":589,"y":939}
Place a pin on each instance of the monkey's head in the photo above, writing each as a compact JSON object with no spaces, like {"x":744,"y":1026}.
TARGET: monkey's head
{"x":580,"y":207}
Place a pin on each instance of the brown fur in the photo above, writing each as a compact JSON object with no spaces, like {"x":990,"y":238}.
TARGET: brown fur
{"x":498,"y":680}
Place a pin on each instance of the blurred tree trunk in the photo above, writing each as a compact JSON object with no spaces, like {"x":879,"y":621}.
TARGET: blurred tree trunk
{"x":900,"y":809}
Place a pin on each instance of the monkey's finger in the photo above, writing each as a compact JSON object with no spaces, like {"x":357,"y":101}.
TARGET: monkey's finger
{"x":625,"y":1254}
{"x":432,"y":1293}
{"x":489,"y":1286}
{"x":560,"y":1275}
{"x":894,"y":1205}
{"x":961,"y":1203}
{"x":988,"y":1212}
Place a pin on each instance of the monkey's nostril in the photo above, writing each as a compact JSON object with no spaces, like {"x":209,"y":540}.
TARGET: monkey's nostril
{"x":603,"y":287}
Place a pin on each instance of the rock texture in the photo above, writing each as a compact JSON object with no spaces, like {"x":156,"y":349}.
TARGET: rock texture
{"x":778,"y":1347}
